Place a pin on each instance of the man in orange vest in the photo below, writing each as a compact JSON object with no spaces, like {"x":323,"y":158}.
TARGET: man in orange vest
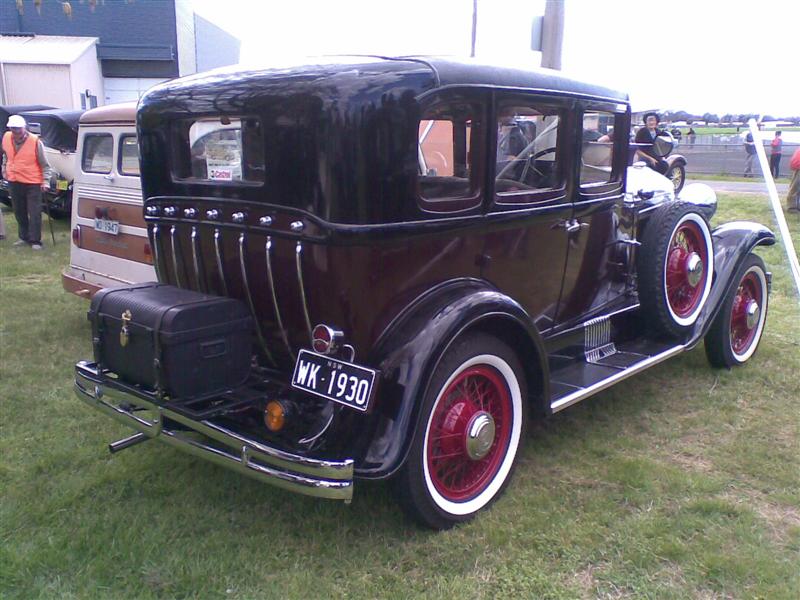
{"x":25,"y":168}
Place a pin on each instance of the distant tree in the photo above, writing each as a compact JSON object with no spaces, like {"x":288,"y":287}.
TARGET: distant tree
{"x":710,"y":118}
{"x":768,"y":118}
{"x":727,"y":118}
{"x":682,"y":115}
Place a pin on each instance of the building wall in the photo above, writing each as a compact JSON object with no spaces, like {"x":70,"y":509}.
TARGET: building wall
{"x":215,"y":46}
{"x":142,"y":31}
{"x":39,"y":84}
{"x":127,"y":89}
{"x":184,"y":24}
{"x":85,"y":75}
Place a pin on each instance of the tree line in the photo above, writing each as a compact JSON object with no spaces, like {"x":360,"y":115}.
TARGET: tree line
{"x":728,"y":118}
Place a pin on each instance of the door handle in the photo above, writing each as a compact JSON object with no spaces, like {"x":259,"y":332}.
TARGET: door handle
{"x":573,"y":225}
{"x":108,"y":177}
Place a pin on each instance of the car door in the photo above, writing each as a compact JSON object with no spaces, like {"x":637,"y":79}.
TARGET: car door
{"x":595,"y":273}
{"x":526,"y":239}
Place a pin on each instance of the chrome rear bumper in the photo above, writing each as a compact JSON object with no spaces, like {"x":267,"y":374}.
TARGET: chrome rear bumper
{"x":313,"y":477}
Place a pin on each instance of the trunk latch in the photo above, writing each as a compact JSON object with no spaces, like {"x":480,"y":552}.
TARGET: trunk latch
{"x":124,"y":332}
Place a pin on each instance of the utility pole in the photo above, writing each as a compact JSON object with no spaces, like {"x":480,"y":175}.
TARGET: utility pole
{"x":552,"y":34}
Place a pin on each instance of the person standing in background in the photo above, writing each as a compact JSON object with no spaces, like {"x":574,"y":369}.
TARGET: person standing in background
{"x":775,"y":155}
{"x":26,"y":169}
{"x":793,"y":197}
{"x":750,"y":149}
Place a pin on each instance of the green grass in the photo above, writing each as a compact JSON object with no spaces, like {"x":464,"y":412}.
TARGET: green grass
{"x":721,"y":177}
{"x":681,"y":482}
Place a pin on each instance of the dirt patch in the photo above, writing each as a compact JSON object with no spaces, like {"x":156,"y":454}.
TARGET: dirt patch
{"x":779,"y":517}
{"x":692,"y":462}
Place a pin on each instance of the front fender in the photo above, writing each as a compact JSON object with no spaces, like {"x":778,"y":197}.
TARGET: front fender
{"x":675,"y":160}
{"x":732,"y":243}
{"x":409,"y":350}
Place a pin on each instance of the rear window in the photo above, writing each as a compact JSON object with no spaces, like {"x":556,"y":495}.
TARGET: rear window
{"x":128,"y":156}
{"x":219,"y":150}
{"x":98,"y":150}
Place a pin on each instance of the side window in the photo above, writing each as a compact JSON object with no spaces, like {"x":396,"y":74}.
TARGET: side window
{"x":128,"y":156}
{"x":448,"y":175}
{"x":98,"y":150}
{"x":228,"y":149}
{"x":526,"y":149}
{"x":597,"y":154}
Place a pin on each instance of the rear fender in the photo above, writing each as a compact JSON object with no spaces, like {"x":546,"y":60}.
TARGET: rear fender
{"x":410,"y":348}
{"x":732,"y":243}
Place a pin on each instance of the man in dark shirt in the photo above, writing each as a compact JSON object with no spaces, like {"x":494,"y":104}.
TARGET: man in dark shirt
{"x":645,"y":138}
{"x":750,"y":149}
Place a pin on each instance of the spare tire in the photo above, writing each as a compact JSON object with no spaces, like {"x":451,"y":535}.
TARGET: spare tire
{"x":675,"y":268}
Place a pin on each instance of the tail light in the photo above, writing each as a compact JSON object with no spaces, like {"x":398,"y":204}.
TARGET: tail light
{"x":76,"y":236}
{"x":148,"y":253}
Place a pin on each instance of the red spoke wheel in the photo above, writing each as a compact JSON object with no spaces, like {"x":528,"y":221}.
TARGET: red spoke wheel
{"x":675,"y":268}
{"x":468,"y":435}
{"x":735,"y":333}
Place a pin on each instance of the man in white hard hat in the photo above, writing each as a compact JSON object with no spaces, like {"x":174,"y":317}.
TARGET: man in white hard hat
{"x":25,"y":168}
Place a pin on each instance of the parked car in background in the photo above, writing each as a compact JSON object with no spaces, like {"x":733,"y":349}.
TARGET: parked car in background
{"x":109,"y":235}
{"x":58,"y":130}
{"x":383,"y":268}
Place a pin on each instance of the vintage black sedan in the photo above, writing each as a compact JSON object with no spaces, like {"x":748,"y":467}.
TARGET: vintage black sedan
{"x":382,"y":268}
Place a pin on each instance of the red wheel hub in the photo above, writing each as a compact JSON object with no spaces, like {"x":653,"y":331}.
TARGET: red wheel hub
{"x":687,"y":257}
{"x":469,"y":433}
{"x":746,"y":313}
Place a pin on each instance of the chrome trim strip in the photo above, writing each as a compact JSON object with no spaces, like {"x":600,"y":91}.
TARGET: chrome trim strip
{"x":172,"y":231}
{"x":584,"y":393}
{"x":299,"y":263}
{"x":201,"y":279}
{"x":218,"y":253}
{"x":321,"y":478}
{"x":252,"y":306}
{"x":278,"y":319}
{"x":157,"y":254}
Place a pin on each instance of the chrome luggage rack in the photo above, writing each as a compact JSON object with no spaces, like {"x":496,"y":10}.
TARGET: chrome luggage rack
{"x":310,"y":476}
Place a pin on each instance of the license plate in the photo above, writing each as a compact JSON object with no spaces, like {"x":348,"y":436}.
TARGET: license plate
{"x":333,"y":379}
{"x":107,"y":226}
{"x":62,"y":184}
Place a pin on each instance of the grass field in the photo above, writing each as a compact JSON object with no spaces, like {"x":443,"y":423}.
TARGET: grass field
{"x":682,"y":482}
{"x":703,"y":130}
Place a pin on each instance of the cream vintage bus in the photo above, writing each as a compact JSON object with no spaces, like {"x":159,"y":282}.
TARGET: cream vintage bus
{"x":109,"y":236}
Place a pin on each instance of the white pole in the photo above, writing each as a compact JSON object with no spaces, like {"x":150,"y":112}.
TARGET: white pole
{"x":776,"y":206}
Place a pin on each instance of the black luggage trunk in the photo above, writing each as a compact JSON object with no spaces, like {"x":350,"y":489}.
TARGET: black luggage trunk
{"x":172,"y":341}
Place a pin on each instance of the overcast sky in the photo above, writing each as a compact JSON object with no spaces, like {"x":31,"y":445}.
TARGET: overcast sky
{"x":696,"y":55}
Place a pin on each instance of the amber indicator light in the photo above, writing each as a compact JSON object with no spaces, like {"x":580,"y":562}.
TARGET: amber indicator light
{"x":274,"y":416}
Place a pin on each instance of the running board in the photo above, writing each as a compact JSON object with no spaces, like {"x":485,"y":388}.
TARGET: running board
{"x":584,"y":392}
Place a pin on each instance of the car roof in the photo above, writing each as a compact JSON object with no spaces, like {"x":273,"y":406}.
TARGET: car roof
{"x":123,"y":113}
{"x":452,"y":71}
{"x":242,"y":85}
